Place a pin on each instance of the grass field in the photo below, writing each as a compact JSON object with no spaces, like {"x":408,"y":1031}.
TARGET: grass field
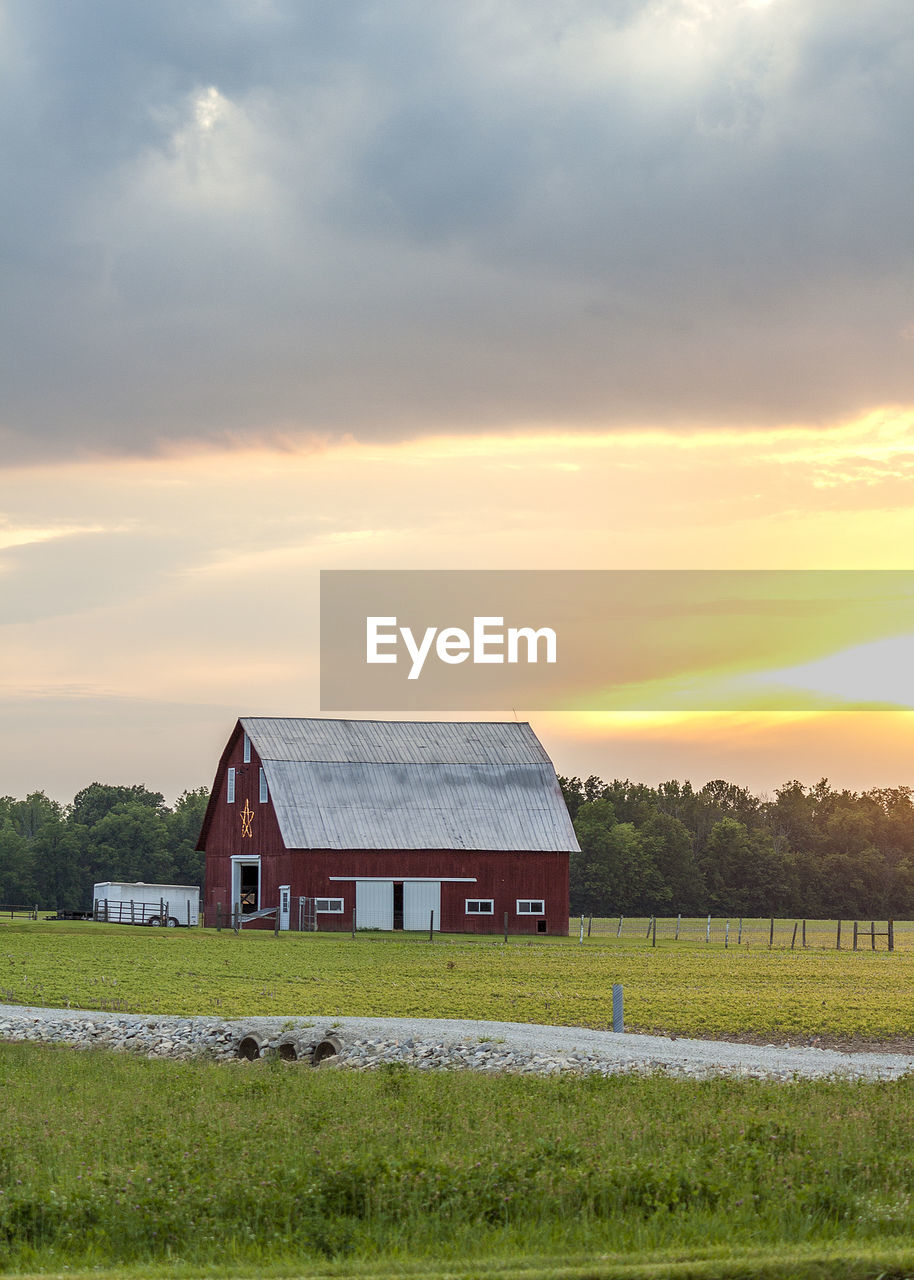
{"x":677,"y":988}
{"x":120,"y":1166}
{"x":120,"y":1163}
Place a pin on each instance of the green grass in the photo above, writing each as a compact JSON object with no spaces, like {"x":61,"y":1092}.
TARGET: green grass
{"x":675,"y":987}
{"x":110,"y":1161}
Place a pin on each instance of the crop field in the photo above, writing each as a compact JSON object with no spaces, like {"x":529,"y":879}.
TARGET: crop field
{"x":698,"y":989}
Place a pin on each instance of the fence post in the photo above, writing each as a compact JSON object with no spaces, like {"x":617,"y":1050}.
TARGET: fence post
{"x":218,"y":917}
{"x":581,"y":938}
{"x":353,"y":920}
{"x":589,"y":925}
{"x":95,"y":908}
{"x":804,"y":933}
{"x":872,"y":935}
{"x":739,"y":935}
{"x":855,"y":935}
{"x":838,"y":938}
{"x":727,"y":936}
{"x":771,"y":934}
{"x":891,"y":935}
{"x":276,"y":923}
{"x":619,"y":930}
{"x":649,"y":923}
{"x":132,"y":921}
{"x":506,"y":926}
{"x":793,"y":940}
{"x":431,"y":923}
{"x":618,"y":1011}
{"x":708,"y":933}
{"x":236,"y":924}
{"x":678,"y":925}
{"x":161,"y":911}
{"x":188,"y":913}
{"x":654,"y":932}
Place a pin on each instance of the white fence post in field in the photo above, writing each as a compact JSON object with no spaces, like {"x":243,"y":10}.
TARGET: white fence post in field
{"x":619,"y":930}
{"x":581,"y":939}
{"x":727,"y":936}
{"x":678,"y":924}
{"x":708,"y":931}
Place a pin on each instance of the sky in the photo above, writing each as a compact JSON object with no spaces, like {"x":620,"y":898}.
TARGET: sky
{"x":298,"y":286}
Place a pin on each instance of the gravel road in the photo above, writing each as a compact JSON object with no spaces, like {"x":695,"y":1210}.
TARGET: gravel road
{"x":437,"y":1042}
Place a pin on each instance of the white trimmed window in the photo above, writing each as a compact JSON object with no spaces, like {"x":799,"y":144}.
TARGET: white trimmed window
{"x":230,"y":787}
{"x":247,"y":749}
{"x":263,"y":787}
{"x":531,"y":907}
{"x":479,"y":906}
{"x":329,"y":906}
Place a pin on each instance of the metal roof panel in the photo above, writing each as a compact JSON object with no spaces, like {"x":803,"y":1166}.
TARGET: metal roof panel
{"x":402,"y":785}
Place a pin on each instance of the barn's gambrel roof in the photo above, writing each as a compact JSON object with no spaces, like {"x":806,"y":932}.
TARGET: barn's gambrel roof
{"x":370,"y":784}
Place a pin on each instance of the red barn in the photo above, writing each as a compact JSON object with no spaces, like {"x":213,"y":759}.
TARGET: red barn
{"x":392,"y":821}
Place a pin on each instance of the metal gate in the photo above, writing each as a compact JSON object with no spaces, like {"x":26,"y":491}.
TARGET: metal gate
{"x":307,"y":916}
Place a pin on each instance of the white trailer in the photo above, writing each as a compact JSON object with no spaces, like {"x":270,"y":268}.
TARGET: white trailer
{"x":157,"y":904}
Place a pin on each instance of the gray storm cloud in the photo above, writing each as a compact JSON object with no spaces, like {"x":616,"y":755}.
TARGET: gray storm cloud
{"x":242,"y":220}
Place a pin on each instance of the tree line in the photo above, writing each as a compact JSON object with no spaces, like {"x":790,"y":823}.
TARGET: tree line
{"x":52,"y":854}
{"x":807,"y":851}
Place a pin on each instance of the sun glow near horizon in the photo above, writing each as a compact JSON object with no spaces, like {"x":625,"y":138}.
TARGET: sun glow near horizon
{"x":198,"y":551}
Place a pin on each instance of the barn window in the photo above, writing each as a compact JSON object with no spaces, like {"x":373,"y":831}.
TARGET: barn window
{"x":480,"y":906}
{"x":230,"y":787}
{"x":329,"y":906}
{"x":263,"y":787}
{"x":531,"y":907}
{"x":247,"y":749}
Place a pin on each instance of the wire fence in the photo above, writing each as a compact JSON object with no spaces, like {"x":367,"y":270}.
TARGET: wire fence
{"x":771,"y":932}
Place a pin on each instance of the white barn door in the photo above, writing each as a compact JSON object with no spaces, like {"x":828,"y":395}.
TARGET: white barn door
{"x":419,"y":901}
{"x":374,"y":904}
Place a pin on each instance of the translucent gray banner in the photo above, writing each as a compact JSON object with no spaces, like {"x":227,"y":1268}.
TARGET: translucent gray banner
{"x":616,"y":640}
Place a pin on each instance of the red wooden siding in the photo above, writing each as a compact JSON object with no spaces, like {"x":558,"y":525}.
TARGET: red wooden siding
{"x":504,"y":877}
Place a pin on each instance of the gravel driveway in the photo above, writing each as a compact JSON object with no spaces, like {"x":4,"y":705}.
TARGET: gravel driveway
{"x":439,"y":1042}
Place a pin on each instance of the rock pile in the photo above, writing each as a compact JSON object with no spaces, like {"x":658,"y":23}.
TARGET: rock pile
{"x":155,"y":1037}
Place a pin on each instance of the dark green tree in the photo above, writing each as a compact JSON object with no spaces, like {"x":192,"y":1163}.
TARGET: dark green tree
{"x":17,"y":881}
{"x":183,"y":830}
{"x":614,"y":874}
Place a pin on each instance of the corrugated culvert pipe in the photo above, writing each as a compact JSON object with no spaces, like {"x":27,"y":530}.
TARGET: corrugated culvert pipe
{"x":250,"y":1047}
{"x":329,"y":1047}
{"x":288,"y":1051}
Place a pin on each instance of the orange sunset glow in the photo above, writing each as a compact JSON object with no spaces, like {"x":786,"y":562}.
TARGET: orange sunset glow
{"x":197,"y":544}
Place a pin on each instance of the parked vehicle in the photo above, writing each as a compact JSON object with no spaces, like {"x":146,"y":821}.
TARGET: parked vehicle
{"x":154,"y":904}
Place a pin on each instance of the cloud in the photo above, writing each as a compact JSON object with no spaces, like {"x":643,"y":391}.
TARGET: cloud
{"x":267,"y":221}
